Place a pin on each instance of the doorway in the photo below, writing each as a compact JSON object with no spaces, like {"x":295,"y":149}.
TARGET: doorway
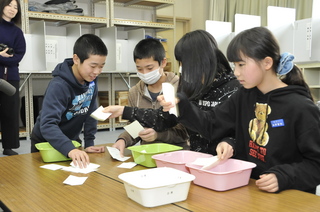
{"x":173,"y":36}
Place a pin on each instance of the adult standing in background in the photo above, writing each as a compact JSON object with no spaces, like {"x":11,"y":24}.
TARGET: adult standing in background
{"x":12,"y":36}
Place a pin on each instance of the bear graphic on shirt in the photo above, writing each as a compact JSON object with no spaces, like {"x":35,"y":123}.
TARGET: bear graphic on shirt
{"x":258,"y":126}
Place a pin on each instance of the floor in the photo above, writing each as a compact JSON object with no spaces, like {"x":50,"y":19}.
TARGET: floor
{"x":102,"y":137}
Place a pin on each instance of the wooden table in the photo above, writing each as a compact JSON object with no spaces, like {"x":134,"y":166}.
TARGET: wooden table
{"x":24,"y":186}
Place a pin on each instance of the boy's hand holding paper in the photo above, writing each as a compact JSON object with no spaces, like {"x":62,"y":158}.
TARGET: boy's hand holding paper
{"x":134,"y":128}
{"x":115,"y":154}
{"x":169,"y":96}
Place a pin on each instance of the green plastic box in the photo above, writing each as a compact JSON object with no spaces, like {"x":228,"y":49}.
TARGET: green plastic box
{"x":142,"y":154}
{"x":50,"y":154}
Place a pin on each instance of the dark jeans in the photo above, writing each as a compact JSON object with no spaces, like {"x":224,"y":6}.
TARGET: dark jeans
{"x":34,"y":140}
{"x":10,"y":119}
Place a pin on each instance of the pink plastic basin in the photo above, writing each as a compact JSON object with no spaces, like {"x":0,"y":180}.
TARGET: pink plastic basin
{"x":231,"y":174}
{"x":178,"y":159}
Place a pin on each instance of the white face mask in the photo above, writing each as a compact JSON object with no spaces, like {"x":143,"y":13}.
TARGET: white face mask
{"x":151,"y":77}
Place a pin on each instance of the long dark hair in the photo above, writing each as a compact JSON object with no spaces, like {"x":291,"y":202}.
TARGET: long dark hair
{"x":4,"y":3}
{"x":201,"y":60}
{"x":259,"y":43}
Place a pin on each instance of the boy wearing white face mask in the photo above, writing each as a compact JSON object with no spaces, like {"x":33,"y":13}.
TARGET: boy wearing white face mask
{"x":149,"y":56}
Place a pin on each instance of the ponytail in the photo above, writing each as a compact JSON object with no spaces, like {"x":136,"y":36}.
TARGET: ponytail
{"x":295,"y":77}
{"x":290,"y":73}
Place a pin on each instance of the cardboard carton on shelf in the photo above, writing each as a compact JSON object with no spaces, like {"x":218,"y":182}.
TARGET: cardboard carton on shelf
{"x":103,"y":99}
{"x":122,"y":99}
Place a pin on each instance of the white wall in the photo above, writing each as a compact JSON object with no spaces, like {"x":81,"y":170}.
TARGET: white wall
{"x":196,"y":10}
{"x":200,"y":13}
{"x":182,"y":9}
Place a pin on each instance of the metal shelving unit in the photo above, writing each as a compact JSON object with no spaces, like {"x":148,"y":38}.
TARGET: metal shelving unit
{"x":52,"y":17}
{"x":311,"y":73}
{"x":109,"y":20}
{"x":147,"y":4}
{"x":69,"y":18}
{"x":94,"y":22}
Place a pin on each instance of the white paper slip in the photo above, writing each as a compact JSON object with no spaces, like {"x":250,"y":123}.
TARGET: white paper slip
{"x":115,"y":154}
{"x":127,"y":165}
{"x":170,"y":96}
{"x":52,"y":166}
{"x":134,"y":128}
{"x":99,"y":115}
{"x":90,"y":168}
{"x":74,"y":180}
{"x":207,"y":163}
{"x":78,"y":170}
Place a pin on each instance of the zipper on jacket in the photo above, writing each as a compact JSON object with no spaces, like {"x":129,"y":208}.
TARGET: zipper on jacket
{"x":153,"y":104}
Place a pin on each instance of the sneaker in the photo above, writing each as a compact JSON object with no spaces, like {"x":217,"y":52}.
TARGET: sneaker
{"x":9,"y":152}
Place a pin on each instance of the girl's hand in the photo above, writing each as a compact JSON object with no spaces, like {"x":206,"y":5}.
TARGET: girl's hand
{"x":224,"y":151}
{"x":167,"y":105}
{"x":268,"y":182}
{"x":116,"y":110}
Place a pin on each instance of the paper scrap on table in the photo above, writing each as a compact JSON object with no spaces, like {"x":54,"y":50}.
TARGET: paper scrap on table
{"x":90,"y":168}
{"x":207,"y":163}
{"x":52,"y":166}
{"x":115,"y":154}
{"x":99,"y":115}
{"x":74,"y":180}
{"x":76,"y":170}
{"x":134,"y":128}
{"x":127,"y":165}
{"x":169,"y":96}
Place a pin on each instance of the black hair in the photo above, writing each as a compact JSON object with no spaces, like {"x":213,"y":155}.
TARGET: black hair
{"x":149,"y":48}
{"x":201,"y":61}
{"x":4,"y":3}
{"x":259,"y":43}
{"x":89,"y":44}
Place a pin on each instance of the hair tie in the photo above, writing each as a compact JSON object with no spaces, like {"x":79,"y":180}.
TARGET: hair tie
{"x":285,"y":64}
